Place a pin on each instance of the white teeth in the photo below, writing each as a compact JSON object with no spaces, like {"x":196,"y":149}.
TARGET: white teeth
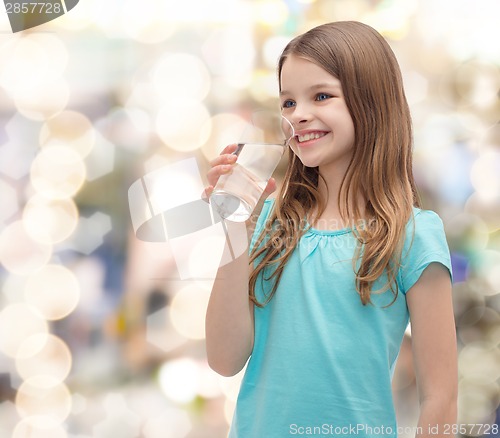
{"x":310,"y":136}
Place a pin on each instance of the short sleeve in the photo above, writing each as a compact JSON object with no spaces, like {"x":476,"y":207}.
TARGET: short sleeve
{"x":261,"y":221}
{"x":425,"y":243}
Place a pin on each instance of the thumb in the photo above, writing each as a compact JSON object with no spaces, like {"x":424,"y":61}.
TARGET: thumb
{"x":270,"y":188}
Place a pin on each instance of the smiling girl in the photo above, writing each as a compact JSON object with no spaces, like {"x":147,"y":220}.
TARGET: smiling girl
{"x":340,"y":262}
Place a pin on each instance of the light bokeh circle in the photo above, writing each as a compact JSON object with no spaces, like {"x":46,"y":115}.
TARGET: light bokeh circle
{"x":179,"y":379}
{"x":50,"y":221}
{"x":39,"y":427}
{"x":18,"y":322}
{"x":53,"y":290}
{"x":181,"y":76}
{"x":183,"y":124}
{"x":45,"y":101}
{"x":42,"y":396}
{"x":71,"y":129}
{"x":187,"y":311}
{"x":58,"y":172}
{"x":44,"y":355}
{"x":19,"y":253}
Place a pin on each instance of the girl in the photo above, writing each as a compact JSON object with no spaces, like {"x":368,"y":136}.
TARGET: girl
{"x":340,"y":261}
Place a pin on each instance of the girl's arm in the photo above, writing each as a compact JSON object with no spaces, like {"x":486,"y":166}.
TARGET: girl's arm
{"x":434,"y":350}
{"x":229,"y":318}
{"x":229,"y":323}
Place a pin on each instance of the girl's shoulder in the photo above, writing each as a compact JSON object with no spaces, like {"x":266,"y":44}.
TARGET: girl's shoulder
{"x":422,"y":221}
{"x":425,"y":242}
{"x":424,"y":231}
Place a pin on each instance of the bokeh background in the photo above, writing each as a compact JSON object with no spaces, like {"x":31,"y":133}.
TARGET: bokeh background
{"x":100,"y":335}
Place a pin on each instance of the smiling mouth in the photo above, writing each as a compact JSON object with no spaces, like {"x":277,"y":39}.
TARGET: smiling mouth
{"x":310,"y":136}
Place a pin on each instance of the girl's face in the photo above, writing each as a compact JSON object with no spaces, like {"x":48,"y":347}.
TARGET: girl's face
{"x":312,"y":100}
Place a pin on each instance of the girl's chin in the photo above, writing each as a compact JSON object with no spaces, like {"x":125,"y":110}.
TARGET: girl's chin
{"x":307,"y":163}
{"x":304,"y":159}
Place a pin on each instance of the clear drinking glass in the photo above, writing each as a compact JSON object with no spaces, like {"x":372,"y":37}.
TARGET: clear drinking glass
{"x":236,"y":194}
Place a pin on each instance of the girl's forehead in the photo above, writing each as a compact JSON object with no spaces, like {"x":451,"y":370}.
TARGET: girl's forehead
{"x":299,"y":71}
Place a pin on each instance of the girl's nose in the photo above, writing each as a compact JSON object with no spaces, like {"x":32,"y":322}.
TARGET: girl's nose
{"x":301,"y":115}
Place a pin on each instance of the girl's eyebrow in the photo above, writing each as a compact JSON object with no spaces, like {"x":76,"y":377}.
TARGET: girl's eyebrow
{"x":328,"y":85}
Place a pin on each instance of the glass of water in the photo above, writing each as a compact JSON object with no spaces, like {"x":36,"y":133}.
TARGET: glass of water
{"x":236,"y":194}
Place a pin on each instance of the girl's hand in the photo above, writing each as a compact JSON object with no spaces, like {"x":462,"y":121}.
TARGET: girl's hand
{"x":219,"y":166}
{"x":223,"y":165}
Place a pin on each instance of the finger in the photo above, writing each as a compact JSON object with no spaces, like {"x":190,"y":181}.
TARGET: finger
{"x":229,"y":149}
{"x":222,"y":164}
{"x":226,"y":156}
{"x":216,"y":172}
{"x":270,"y":188}
{"x":205,"y":196}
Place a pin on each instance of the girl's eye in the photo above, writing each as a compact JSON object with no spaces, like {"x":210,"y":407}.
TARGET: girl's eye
{"x":288,"y":104}
{"x":322,"y":96}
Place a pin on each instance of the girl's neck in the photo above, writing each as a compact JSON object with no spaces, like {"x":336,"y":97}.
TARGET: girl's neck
{"x":331,"y":218}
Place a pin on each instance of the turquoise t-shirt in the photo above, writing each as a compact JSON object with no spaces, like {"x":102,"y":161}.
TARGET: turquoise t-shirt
{"x":322,"y":363}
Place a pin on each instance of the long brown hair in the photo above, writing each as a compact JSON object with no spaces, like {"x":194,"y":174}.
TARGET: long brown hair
{"x":380,"y":169}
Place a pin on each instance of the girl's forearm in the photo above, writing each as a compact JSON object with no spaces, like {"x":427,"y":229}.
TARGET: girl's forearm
{"x":229,"y":318}
{"x":437,"y":418}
